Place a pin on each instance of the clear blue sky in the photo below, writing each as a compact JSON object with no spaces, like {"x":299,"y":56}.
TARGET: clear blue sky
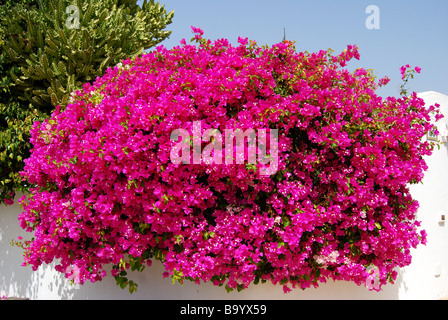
{"x":411,"y":32}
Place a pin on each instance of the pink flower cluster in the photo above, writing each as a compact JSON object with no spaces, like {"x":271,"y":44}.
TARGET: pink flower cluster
{"x":107,"y":193}
{"x":9,"y":201}
{"x":405,"y":70}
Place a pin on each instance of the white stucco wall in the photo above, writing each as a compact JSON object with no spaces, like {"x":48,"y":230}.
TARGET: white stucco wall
{"x":428,"y":274}
{"x":425,"y":278}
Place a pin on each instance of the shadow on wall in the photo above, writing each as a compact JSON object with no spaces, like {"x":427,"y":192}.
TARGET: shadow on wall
{"x":46,"y":283}
{"x":19,"y":281}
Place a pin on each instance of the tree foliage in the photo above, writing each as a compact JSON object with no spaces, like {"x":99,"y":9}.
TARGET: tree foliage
{"x":51,"y":48}
{"x":15,"y":121}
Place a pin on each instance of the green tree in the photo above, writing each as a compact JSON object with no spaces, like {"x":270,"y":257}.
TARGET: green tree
{"x":50,"y":48}
{"x":16,"y":118}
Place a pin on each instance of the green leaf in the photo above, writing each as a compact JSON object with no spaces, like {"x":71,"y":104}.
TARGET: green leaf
{"x":124,"y":283}
{"x":280,"y":244}
{"x":228,"y":289}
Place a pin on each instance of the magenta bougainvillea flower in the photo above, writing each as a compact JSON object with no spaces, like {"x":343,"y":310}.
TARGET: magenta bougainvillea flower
{"x":337,"y":206}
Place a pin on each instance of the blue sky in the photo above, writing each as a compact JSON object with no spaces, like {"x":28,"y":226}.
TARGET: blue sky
{"x":411,"y":32}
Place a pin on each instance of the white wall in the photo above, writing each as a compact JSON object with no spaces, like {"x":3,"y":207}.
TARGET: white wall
{"x":425,"y":278}
{"x":428,"y":274}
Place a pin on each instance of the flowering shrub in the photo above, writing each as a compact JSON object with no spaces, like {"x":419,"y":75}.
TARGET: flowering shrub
{"x":338,"y":206}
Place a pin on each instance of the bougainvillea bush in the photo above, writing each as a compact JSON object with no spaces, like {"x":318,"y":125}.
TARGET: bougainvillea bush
{"x":338,"y":207}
